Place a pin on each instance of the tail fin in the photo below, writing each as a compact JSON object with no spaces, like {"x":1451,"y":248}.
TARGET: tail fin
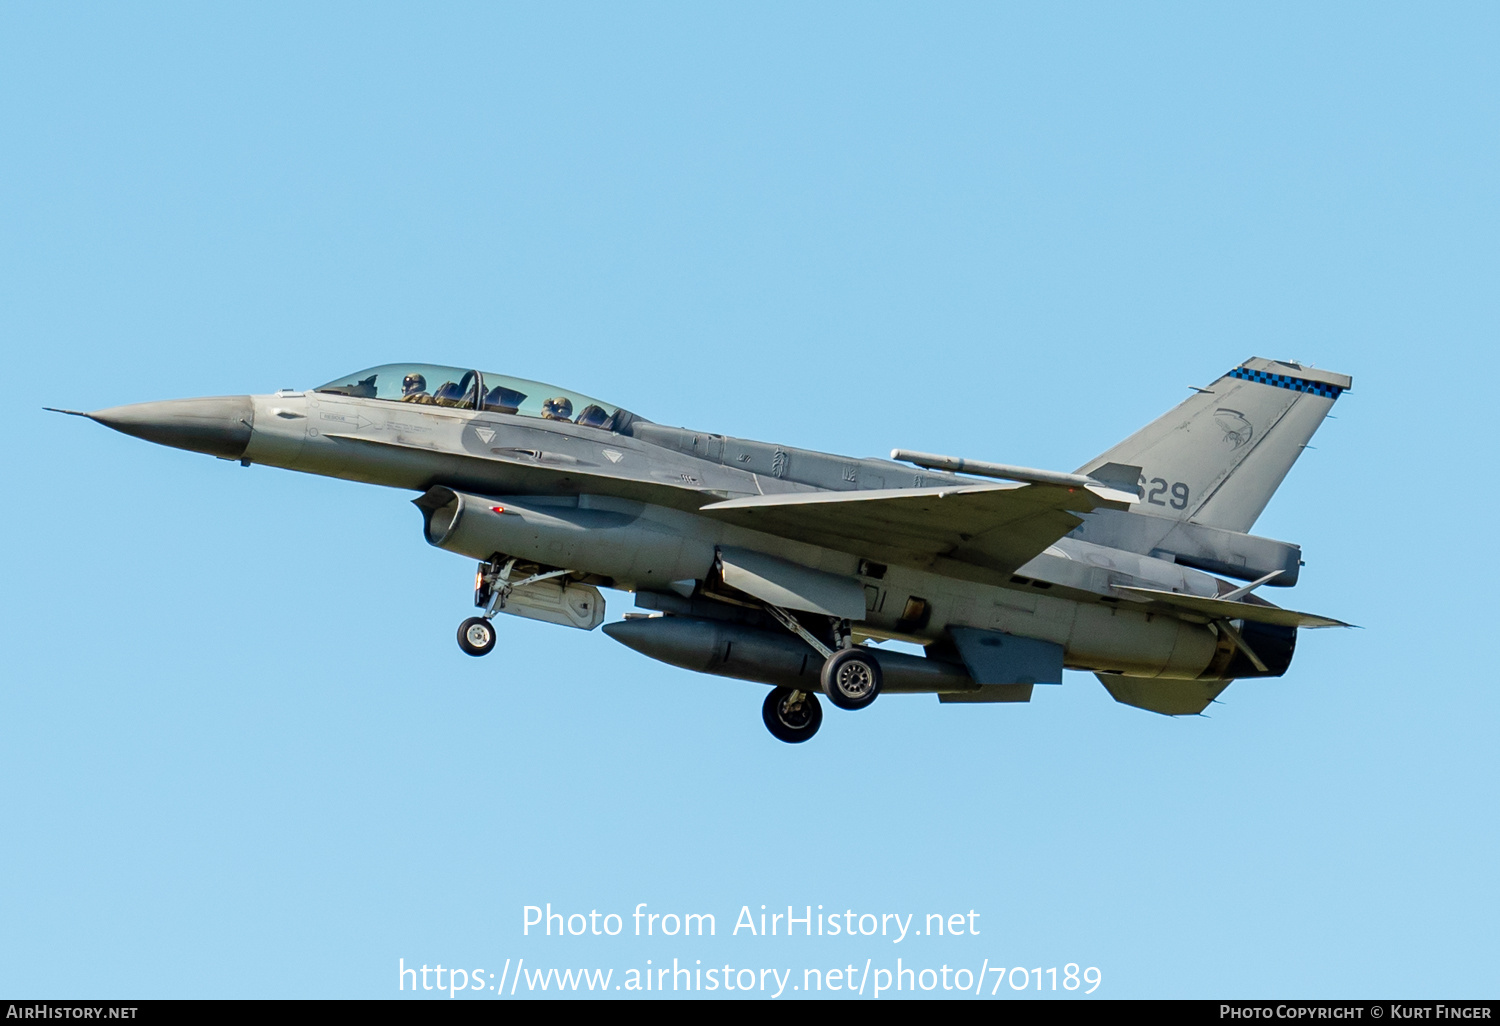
{"x":1219,"y":456}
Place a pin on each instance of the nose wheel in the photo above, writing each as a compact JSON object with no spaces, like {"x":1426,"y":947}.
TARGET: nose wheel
{"x":492,"y":587}
{"x":476,"y":636}
{"x":792,"y":716}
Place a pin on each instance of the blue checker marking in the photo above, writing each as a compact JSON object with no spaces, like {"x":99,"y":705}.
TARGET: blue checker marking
{"x":1287,"y":381}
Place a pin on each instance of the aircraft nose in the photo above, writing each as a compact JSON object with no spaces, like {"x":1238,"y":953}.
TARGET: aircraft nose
{"x":219,"y":426}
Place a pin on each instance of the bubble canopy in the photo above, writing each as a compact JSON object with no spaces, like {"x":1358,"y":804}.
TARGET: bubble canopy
{"x":460,"y":389}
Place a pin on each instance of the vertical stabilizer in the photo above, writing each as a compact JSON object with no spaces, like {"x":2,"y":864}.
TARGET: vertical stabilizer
{"x":1219,"y":456}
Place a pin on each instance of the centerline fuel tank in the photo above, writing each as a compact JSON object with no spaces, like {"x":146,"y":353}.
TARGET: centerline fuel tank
{"x":773,"y":657}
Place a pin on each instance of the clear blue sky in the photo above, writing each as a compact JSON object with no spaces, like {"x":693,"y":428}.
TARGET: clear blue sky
{"x":242,"y":755}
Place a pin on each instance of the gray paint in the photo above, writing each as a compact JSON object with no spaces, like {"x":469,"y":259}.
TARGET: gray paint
{"x":770,"y":657}
{"x":994,"y":657}
{"x":218,"y":427}
{"x":1230,"y":445}
{"x":1168,"y":697}
{"x":791,"y":585}
{"x":1117,"y":585}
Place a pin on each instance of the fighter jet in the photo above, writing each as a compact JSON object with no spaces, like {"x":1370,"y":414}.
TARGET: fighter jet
{"x":790,"y":567}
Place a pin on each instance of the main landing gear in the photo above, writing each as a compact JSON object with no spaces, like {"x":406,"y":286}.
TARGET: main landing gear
{"x":850,"y":678}
{"x":492,"y":586}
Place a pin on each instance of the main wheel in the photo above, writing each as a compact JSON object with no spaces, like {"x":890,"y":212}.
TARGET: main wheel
{"x":792,"y":722}
{"x":851,"y":678}
{"x":476,"y":636}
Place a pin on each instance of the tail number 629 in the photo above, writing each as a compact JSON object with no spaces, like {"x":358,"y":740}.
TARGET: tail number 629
{"x":1159,"y":488}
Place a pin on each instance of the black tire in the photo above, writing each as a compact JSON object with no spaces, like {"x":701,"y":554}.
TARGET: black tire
{"x":476,"y":636}
{"x":792,"y":724}
{"x":851,"y":678}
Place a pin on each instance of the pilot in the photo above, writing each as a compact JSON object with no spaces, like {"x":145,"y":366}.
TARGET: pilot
{"x":560,"y":408}
{"x":414,"y":389}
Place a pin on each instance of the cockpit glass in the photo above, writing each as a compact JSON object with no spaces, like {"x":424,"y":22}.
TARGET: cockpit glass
{"x":431,"y":385}
{"x":421,"y":383}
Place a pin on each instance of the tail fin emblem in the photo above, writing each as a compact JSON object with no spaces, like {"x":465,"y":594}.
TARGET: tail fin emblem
{"x":1237,"y":430}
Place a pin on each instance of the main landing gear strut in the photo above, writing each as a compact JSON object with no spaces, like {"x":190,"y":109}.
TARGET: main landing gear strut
{"x":492,"y":586}
{"x":850,"y":678}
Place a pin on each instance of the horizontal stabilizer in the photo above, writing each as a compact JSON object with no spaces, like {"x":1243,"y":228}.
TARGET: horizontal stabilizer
{"x":1210,"y":549}
{"x":1221,"y":609}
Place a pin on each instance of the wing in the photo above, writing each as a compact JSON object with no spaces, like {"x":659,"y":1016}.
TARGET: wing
{"x":1221,"y":609}
{"x":995,"y":526}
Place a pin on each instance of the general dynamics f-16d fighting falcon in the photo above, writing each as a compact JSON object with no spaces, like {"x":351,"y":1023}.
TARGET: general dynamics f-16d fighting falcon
{"x":789,"y":567}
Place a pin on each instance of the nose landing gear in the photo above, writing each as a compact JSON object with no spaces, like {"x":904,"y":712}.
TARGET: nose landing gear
{"x":476,"y":636}
{"x":492,"y":587}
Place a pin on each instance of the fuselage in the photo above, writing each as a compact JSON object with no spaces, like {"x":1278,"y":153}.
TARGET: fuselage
{"x":780,"y":565}
{"x":654,"y":478}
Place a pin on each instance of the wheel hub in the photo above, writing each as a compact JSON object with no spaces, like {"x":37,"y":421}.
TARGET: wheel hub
{"x":794,"y":714}
{"x":854,"y":679}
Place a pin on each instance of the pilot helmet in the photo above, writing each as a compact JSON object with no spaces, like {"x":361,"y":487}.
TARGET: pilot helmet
{"x":412,"y":384}
{"x":558,"y":408}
